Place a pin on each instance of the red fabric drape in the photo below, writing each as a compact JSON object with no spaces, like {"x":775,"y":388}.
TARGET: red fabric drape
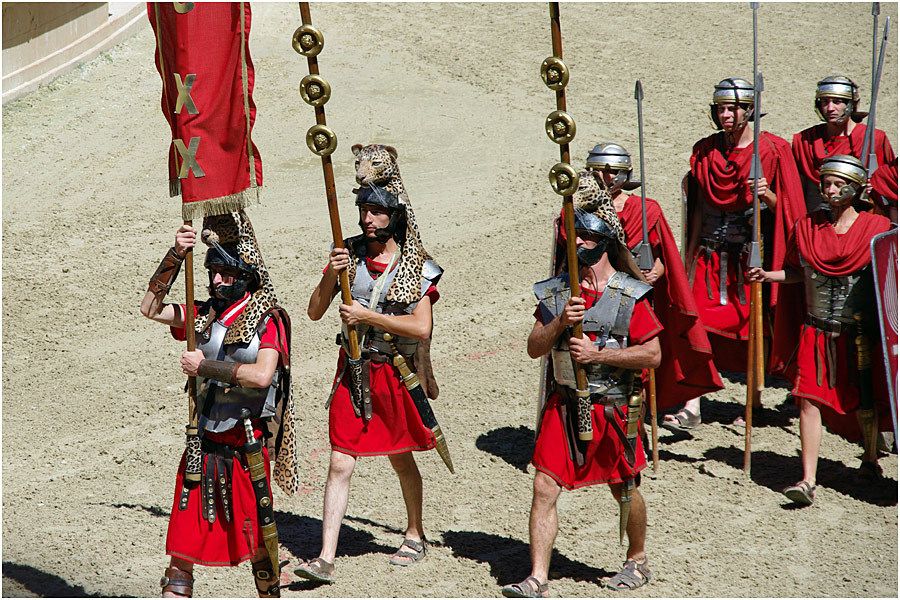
{"x":884,"y":184}
{"x":828,"y":253}
{"x":687,"y":370}
{"x":722,"y":180}
{"x":810,"y":147}
{"x":208,"y":44}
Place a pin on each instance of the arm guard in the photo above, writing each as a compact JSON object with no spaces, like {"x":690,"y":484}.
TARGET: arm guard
{"x":220,"y":370}
{"x":165,"y":274}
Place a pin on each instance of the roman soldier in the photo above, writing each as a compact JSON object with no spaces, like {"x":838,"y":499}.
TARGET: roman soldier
{"x":687,"y":370}
{"x":719,"y":200}
{"x":621,"y":339}
{"x":242,"y":364}
{"x":394,"y":287}
{"x":835,"y":364}
{"x":841,"y":132}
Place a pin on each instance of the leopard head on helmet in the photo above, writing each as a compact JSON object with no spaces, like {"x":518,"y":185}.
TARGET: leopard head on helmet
{"x":375,"y":163}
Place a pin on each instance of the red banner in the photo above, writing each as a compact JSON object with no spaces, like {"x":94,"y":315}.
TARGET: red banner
{"x":884,"y":266}
{"x":203,"y":58}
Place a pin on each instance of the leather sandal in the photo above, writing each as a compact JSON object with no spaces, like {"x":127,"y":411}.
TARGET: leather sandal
{"x":685,"y":420}
{"x":403,"y":557}
{"x":801,"y":493}
{"x":530,"y":587}
{"x":318,"y":569}
{"x":176,"y":581}
{"x":632,"y":576}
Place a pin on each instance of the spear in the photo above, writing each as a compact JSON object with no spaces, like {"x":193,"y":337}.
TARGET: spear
{"x":868,"y":149}
{"x":876,"y":10}
{"x":560,"y":127}
{"x":322,"y":141}
{"x":645,"y":259}
{"x":755,"y":349}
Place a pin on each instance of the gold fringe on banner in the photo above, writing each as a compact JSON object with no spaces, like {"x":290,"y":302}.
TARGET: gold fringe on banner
{"x":218,"y":206}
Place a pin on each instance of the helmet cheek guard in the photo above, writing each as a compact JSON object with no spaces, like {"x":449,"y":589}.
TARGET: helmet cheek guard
{"x":246,"y":277}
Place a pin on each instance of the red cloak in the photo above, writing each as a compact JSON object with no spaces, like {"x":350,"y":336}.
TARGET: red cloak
{"x":798,"y":348}
{"x":811,"y":147}
{"x":687,"y":370}
{"x":884,"y":184}
{"x":719,"y":177}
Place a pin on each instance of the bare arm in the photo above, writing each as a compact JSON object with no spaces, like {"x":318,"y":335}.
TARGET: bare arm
{"x":327,"y":289}
{"x":250,"y":375}
{"x":152,"y":306}
{"x":786,"y":275}
{"x":543,"y":337}
{"x":640,"y":356}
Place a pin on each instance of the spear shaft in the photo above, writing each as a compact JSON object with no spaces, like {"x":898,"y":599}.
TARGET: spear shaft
{"x":585,"y":431}
{"x":334,"y":215}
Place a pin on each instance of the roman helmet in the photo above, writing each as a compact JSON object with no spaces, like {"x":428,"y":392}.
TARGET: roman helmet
{"x":732,"y":90}
{"x":380,"y":196}
{"x":593,"y":223}
{"x":226,"y":259}
{"x":848,"y":168}
{"x":615,"y":158}
{"x":838,"y":86}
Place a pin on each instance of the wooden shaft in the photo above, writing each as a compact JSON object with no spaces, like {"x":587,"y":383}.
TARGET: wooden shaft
{"x":190,"y":335}
{"x":752,"y":384}
{"x":654,"y":431}
{"x":761,"y":344}
{"x":334,"y":215}
{"x":581,"y":381}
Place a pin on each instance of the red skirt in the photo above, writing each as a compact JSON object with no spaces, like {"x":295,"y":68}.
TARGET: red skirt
{"x":193,"y":538}
{"x":395,"y":426}
{"x":840,"y":402}
{"x":728,"y":326}
{"x":604,"y":459}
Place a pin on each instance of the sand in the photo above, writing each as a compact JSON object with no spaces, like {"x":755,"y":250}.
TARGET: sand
{"x":93,"y":408}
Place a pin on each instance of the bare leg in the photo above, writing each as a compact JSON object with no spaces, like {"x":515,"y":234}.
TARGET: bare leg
{"x":337,"y":493}
{"x":543,"y":524}
{"x":411,"y":485}
{"x":810,"y":438}
{"x":636,"y":528}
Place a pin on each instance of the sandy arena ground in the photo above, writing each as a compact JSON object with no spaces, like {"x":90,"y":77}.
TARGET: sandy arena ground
{"x":93,"y":409}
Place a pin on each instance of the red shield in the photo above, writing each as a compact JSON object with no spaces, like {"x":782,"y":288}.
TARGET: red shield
{"x":884,"y":266}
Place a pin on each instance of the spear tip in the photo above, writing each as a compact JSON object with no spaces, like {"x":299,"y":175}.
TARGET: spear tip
{"x":754,"y":5}
{"x":638,"y":90}
{"x":876,"y":9}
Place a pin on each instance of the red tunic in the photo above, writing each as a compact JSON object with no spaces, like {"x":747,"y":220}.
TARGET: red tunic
{"x":687,"y":369}
{"x":722,"y":183}
{"x":810,"y":148}
{"x":794,"y":353}
{"x":395,"y":426}
{"x":190,"y":536}
{"x":604,"y":459}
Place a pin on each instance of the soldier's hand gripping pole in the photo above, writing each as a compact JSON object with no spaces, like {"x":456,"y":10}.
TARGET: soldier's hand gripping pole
{"x":560,"y":128}
{"x":420,"y":400}
{"x":322,"y":141}
{"x":265,"y":513}
{"x":632,"y":419}
{"x":192,"y":457}
{"x":645,"y":260}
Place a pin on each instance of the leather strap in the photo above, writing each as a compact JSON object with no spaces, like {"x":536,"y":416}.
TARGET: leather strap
{"x":219,"y":370}
{"x":176,"y":581}
{"x":166,"y":272}
{"x":267,"y":585}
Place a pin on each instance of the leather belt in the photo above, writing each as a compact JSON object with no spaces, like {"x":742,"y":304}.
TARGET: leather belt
{"x":826,"y":325}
